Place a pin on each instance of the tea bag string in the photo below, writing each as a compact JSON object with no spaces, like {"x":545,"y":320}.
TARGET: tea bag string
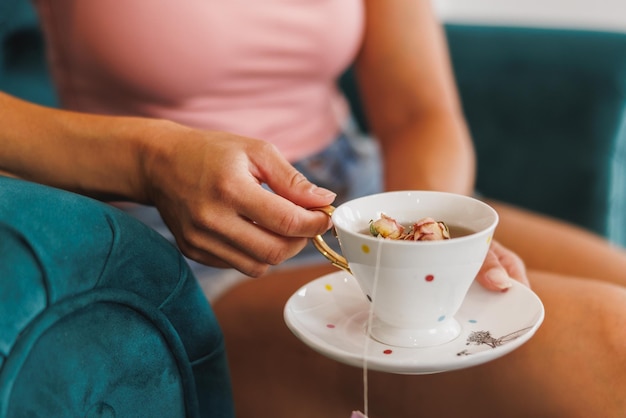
{"x":368,"y":331}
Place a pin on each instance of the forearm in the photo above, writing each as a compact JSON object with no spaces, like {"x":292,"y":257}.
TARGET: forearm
{"x":434,"y":152}
{"x":411,"y":100}
{"x":94,"y":155}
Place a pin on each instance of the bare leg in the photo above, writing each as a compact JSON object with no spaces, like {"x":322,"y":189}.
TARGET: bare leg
{"x":575,"y":366}
{"x":549,"y":245}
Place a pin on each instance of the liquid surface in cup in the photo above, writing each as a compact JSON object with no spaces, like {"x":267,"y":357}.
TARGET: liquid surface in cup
{"x":456,"y":231}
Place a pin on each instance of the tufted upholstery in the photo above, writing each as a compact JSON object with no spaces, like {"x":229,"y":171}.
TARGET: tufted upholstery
{"x":99,"y":315}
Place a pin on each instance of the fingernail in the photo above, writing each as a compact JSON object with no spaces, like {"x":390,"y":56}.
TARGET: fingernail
{"x":499,"y":279}
{"x":320,"y":191}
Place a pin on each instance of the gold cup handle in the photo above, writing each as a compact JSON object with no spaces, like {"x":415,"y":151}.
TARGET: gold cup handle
{"x":336,"y":259}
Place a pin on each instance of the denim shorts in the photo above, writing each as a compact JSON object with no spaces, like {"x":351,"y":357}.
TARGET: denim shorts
{"x":350,"y":166}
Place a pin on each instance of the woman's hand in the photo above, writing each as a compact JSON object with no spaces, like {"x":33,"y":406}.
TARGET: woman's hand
{"x":207,"y":185}
{"x":208,"y":189}
{"x":501,"y":266}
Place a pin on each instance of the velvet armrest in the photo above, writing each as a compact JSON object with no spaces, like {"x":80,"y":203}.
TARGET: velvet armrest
{"x":99,"y":315}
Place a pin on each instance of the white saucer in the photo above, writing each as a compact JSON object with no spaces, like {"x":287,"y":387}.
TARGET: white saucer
{"x":330,"y":315}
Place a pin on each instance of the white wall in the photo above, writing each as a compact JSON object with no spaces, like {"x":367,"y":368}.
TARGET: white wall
{"x":587,"y":14}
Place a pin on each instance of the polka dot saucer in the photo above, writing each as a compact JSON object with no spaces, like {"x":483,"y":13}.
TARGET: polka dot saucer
{"x":330,"y":315}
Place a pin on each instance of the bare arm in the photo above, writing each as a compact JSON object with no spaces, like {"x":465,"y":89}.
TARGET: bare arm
{"x":90,"y":154}
{"x":411,"y":100}
{"x":207,"y":185}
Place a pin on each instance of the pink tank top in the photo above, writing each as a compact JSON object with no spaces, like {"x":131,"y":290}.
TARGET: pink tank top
{"x":259,"y":68}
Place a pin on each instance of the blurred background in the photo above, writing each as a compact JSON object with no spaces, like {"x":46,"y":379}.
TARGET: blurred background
{"x":543,"y":84}
{"x":590,"y":14}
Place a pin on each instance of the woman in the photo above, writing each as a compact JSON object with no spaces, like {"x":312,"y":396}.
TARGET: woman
{"x":266,"y":70}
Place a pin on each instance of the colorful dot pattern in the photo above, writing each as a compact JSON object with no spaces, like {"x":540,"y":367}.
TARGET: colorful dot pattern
{"x":388,"y":351}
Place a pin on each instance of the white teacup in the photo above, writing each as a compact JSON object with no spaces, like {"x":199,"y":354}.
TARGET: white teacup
{"x":420,"y":285}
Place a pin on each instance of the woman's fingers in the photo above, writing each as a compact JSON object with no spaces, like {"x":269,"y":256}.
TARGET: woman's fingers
{"x":252,"y":253}
{"x":208,"y":187}
{"x":501,"y":266}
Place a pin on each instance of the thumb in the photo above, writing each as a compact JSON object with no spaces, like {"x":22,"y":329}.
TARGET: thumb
{"x":492,"y":274}
{"x":500,"y":268}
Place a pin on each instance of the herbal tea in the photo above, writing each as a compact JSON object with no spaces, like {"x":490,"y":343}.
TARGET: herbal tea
{"x":459,"y":231}
{"x":425,"y":229}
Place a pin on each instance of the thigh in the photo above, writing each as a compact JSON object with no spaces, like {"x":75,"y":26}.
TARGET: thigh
{"x":547,"y":244}
{"x":580,"y":349}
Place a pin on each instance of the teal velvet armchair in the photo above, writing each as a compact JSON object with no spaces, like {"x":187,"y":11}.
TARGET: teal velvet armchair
{"x":547,"y":110}
{"x":23,"y":70}
{"x":100,"y":316}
